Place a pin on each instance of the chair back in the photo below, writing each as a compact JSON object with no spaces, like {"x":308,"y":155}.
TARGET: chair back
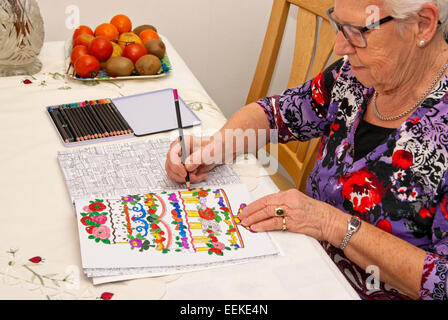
{"x":313,"y":49}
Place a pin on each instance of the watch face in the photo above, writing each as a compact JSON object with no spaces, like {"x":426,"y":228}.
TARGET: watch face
{"x":355,"y":222}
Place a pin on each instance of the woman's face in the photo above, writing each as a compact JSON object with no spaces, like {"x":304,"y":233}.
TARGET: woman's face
{"x":382,"y":63}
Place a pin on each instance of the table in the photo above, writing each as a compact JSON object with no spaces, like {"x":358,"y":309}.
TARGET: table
{"x":39,"y":249}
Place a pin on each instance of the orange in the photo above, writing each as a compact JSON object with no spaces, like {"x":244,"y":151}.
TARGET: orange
{"x":117,"y":52}
{"x":148,"y":34}
{"x":84,"y":39}
{"x":107,"y":30}
{"x":128,"y":38}
{"x":122,"y":23}
{"x":81,"y":30}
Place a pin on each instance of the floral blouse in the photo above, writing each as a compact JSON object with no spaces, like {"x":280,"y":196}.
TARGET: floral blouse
{"x":401,"y":186}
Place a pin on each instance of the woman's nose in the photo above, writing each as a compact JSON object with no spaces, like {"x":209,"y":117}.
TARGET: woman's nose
{"x":342,"y":47}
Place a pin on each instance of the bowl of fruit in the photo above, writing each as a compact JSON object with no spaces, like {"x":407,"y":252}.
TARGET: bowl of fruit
{"x":115,"y":51}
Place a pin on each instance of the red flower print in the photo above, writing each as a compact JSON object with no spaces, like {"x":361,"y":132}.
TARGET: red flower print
{"x":217,"y":251}
{"x":316,"y":87}
{"x":106,"y":295}
{"x":89,"y":229}
{"x":206,"y":214}
{"x":414,"y":120}
{"x":154,"y":226}
{"x":384,"y":225}
{"x":36,"y":259}
{"x":333,"y":127}
{"x":425,"y":213}
{"x":27,"y":81}
{"x":202,"y":193}
{"x":402,"y":159}
{"x":85,"y":219}
{"x":363,"y":189}
{"x":97,"y":206}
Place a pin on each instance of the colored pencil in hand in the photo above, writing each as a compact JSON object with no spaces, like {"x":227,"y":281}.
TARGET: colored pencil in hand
{"x":181,"y":135}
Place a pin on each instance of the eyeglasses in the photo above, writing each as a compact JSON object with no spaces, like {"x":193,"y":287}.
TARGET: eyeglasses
{"x":354,"y":34}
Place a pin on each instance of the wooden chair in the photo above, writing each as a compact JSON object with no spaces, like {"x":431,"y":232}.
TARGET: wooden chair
{"x":312,"y":53}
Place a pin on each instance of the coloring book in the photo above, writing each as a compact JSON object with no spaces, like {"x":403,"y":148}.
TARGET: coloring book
{"x":168,"y":229}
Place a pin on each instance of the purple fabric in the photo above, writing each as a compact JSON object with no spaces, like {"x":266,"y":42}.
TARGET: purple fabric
{"x":400,"y":187}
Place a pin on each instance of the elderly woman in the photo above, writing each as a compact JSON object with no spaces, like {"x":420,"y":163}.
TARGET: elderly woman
{"x":378,"y":195}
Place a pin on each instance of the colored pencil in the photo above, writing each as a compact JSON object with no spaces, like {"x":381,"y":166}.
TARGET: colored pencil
{"x":95,"y":130}
{"x":81,"y":124}
{"x":69,"y":118}
{"x":84,"y":122}
{"x":98,"y":122}
{"x":108,"y":125}
{"x":114,"y":118}
{"x":181,"y":135}
{"x":59,"y":126}
{"x":115,"y":129}
{"x":125,"y":124}
{"x":65,"y":125}
{"x":104,"y":118}
{"x":98,"y":115}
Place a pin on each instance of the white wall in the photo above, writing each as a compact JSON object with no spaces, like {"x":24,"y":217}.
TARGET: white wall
{"x":220,"y":40}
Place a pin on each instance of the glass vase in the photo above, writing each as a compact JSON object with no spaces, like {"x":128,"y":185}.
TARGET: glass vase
{"x":21,"y":37}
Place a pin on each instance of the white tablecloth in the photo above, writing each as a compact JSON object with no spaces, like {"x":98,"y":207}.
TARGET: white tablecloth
{"x":39,"y":248}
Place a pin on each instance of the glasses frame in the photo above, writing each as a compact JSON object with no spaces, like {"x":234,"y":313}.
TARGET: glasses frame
{"x":362,"y":30}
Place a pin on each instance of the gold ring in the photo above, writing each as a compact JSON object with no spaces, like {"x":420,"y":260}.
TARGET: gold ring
{"x":284,"y":228}
{"x":279,"y":212}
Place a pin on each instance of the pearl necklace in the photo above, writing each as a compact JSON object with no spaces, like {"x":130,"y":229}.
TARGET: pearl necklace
{"x":433,"y":84}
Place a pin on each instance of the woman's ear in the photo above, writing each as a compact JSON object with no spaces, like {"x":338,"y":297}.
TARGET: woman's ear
{"x":427,"y":19}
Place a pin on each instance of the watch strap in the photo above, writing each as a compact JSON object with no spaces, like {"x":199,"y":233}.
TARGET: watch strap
{"x":353,"y":225}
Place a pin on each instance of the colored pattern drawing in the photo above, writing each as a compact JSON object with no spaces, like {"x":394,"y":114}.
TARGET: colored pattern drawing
{"x":200,"y":220}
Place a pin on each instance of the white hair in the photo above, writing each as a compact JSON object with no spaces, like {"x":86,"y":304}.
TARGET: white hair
{"x":402,"y":9}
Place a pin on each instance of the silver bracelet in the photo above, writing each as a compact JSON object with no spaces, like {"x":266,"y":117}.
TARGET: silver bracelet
{"x":353,"y":225}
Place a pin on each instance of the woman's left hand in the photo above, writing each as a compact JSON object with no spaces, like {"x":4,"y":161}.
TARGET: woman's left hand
{"x":302,"y":214}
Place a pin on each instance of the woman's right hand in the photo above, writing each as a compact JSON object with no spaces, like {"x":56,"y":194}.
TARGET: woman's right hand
{"x":202,"y":156}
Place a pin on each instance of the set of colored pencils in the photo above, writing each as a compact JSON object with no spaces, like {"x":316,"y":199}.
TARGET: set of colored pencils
{"x":88,"y":120}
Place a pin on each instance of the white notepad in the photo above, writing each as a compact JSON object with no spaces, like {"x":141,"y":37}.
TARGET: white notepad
{"x":154,"y":112}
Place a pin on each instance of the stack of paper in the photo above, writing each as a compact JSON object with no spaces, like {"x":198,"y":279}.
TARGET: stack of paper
{"x":126,"y":232}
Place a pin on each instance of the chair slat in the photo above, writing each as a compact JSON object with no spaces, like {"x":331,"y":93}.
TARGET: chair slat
{"x":324,"y":48}
{"x":304,"y":47}
{"x":269,"y":52}
{"x":318,"y":7}
{"x":311,"y":54}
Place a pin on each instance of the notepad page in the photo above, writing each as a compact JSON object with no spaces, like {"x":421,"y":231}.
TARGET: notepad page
{"x":154,"y":112}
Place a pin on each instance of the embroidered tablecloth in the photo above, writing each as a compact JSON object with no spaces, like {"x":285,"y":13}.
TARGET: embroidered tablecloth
{"x":39,"y":247}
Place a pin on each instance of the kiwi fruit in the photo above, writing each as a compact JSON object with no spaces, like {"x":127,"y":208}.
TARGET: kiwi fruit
{"x":155,"y":47}
{"x":148,"y":64}
{"x":144,"y":27}
{"x":119,"y":67}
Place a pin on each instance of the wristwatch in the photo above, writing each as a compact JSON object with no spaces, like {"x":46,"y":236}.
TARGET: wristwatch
{"x":353,"y":225}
